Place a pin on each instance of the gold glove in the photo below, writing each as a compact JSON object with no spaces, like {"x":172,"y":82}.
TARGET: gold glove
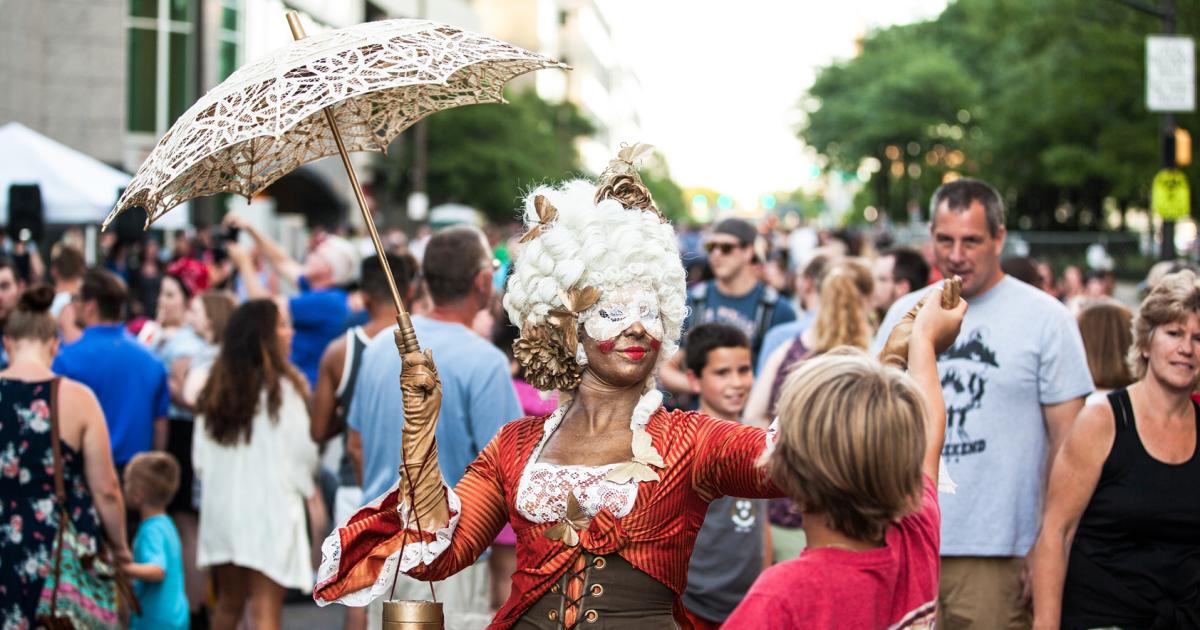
{"x":895,"y":350}
{"x":421,"y":484}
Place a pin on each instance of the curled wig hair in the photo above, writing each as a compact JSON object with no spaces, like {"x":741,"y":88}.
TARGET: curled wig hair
{"x":593,"y":244}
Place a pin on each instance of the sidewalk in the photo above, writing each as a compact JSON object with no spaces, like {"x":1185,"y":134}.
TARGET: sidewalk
{"x":306,"y":615}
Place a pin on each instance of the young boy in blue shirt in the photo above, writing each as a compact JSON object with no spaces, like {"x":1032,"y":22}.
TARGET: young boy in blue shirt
{"x":151,"y":480}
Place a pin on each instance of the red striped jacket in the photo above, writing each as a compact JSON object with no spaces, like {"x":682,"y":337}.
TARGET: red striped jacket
{"x":705,"y":458}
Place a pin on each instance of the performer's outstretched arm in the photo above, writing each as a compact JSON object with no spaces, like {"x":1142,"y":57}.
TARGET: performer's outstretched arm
{"x":419,"y":526}
{"x":359,"y":559}
{"x":728,"y":458}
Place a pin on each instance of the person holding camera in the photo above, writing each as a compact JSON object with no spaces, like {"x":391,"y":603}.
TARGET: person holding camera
{"x":320,"y":309}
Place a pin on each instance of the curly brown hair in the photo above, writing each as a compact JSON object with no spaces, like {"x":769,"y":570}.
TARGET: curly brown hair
{"x":251,"y":359}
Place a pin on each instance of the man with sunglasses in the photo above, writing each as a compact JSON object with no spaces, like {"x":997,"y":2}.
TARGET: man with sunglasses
{"x":736,"y":295}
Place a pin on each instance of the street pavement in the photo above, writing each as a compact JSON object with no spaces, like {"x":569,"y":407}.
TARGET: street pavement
{"x":305,"y":615}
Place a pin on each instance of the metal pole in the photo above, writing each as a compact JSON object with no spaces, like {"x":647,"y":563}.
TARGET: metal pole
{"x":406,"y":339}
{"x":420,"y":168}
{"x":1167,"y":140}
{"x":397,"y":615}
{"x":1165,"y":11}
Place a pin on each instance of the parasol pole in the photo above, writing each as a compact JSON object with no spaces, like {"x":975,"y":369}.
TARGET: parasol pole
{"x":406,"y":337}
{"x":397,"y":614}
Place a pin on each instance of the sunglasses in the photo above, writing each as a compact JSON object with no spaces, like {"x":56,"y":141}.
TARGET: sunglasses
{"x":725,"y":248}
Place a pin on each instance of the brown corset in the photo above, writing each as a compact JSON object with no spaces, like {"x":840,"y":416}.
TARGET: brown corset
{"x":602,"y":592}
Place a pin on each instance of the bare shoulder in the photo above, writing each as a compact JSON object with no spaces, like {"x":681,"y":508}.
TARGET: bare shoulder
{"x":78,"y":407}
{"x":333,"y":360}
{"x":335,"y":353}
{"x":76,"y":397}
{"x":1093,"y":429}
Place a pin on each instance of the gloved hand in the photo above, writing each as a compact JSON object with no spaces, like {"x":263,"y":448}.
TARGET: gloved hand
{"x":421,"y":484}
{"x":895,"y":350}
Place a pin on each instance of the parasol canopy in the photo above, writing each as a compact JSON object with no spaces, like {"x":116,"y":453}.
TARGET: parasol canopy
{"x":268,"y":118}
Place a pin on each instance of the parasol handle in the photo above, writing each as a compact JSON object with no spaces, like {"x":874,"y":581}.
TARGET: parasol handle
{"x":406,"y":337}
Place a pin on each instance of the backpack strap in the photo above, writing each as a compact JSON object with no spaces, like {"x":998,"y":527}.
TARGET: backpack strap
{"x":764,"y":313}
{"x":697,"y":302}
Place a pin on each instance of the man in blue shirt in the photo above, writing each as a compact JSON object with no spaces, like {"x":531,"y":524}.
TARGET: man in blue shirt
{"x":129,"y":381}
{"x":320,"y":310}
{"x":477,"y":391}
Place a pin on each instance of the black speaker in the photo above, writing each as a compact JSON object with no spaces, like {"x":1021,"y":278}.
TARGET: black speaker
{"x":25,"y":211}
{"x":129,"y":224}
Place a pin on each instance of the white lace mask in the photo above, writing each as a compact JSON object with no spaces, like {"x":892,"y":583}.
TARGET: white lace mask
{"x":620,"y":309}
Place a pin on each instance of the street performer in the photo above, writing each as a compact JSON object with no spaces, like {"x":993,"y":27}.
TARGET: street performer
{"x":607,"y":493}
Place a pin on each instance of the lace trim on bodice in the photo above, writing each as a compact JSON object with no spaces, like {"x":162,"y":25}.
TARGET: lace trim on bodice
{"x":542,"y":492}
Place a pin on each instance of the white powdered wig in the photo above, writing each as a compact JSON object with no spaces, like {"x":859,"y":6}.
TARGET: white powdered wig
{"x":599,"y":245}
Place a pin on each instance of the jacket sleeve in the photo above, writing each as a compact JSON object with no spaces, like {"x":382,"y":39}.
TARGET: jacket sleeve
{"x":360,"y":559}
{"x":727,"y":460}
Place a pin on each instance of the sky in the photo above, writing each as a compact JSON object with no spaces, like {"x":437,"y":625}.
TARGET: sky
{"x":721,"y":81}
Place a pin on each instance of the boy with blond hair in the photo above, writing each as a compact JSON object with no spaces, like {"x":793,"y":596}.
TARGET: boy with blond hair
{"x":151,"y":480}
{"x":857,"y":449}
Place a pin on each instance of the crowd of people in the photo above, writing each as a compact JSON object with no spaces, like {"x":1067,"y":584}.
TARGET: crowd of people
{"x":221,"y":407}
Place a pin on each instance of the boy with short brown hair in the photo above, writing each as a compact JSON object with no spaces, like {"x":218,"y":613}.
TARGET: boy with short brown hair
{"x":151,"y":480}
{"x":857,"y":449}
{"x":729,"y":550}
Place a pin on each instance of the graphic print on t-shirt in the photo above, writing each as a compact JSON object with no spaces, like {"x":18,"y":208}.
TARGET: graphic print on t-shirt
{"x":732,"y":316}
{"x":743,"y":516}
{"x":966,"y":368}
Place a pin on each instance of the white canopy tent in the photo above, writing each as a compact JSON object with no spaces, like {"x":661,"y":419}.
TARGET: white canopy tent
{"x":76,"y":188}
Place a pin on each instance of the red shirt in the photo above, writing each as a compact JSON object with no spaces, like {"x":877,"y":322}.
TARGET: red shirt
{"x":895,"y":586}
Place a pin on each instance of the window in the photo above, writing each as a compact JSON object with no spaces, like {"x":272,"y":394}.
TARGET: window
{"x":228,"y":39}
{"x":161,"y":65}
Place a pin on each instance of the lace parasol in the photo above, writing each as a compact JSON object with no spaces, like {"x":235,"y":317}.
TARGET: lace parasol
{"x":268,"y":118}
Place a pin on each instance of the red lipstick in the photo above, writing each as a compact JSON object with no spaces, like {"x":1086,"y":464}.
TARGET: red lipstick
{"x":637,"y":353}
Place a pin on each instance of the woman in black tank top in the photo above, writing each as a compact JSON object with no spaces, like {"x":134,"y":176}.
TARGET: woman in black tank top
{"x":1120,"y":539}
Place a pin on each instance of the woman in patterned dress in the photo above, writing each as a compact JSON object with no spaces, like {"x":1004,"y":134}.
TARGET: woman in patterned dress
{"x":29,"y":515}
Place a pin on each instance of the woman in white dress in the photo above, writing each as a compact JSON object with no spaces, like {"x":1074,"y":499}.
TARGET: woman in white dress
{"x":255,"y":461}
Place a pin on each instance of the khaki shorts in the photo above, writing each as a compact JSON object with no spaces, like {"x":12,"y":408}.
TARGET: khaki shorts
{"x":982,"y":593}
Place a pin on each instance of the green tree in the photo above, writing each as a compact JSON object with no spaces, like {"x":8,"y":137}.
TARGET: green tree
{"x":667,"y":194}
{"x":1043,"y":98}
{"x":487,"y":156}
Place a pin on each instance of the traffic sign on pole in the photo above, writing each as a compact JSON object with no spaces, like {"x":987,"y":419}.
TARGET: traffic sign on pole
{"x":1170,"y":198}
{"x":1170,"y":73}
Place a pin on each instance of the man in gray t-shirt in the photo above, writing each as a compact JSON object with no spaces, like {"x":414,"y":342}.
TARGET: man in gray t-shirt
{"x":1013,"y":382}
